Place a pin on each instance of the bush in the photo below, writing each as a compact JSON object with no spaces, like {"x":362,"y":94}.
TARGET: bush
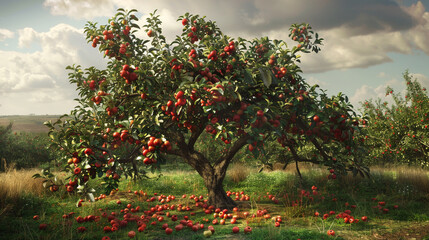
{"x":22,"y":150}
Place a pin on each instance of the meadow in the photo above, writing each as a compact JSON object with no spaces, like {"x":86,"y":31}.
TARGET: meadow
{"x":393,"y":204}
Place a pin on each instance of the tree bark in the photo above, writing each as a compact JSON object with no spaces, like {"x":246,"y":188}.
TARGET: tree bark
{"x":213,"y":175}
{"x":213,"y":180}
{"x":217,"y":195}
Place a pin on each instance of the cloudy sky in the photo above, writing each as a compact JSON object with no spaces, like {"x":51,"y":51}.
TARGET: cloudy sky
{"x":368,"y":43}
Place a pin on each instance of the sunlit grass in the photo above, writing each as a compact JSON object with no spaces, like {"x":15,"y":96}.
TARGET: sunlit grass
{"x":387,"y":185}
{"x":14,"y":184}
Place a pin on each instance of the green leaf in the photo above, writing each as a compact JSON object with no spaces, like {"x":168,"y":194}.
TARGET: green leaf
{"x":311,"y":114}
{"x":36,"y":176}
{"x":157,"y":119}
{"x":238,"y":96}
{"x":218,"y":133}
{"x":266,"y":77}
{"x":248,"y":77}
{"x":48,"y":124}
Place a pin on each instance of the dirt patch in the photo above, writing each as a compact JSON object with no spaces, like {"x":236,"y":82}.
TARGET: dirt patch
{"x":416,"y":232}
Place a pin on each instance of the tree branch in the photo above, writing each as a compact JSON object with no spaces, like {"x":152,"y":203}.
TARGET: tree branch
{"x":196,"y":134}
{"x":193,"y":158}
{"x":175,"y":152}
{"x":298,"y":158}
{"x":127,"y":159}
{"x":321,"y":151}
{"x":223,"y":161}
{"x":314,"y":141}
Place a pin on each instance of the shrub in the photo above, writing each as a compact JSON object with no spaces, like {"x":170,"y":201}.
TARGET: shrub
{"x":22,"y":150}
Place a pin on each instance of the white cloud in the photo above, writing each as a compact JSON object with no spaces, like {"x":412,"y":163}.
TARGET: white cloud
{"x":30,"y":79}
{"x":26,"y":37}
{"x":313,"y":81}
{"x":81,"y":9}
{"x":419,"y":34}
{"x":366,"y":92}
{"x":30,"y":82}
{"x":422,"y":79}
{"x":359,"y":51}
{"x":5,"y":34}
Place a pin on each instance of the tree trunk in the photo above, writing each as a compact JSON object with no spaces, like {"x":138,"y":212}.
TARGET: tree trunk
{"x":217,"y":195}
{"x":213,"y":179}
{"x":212,"y":173}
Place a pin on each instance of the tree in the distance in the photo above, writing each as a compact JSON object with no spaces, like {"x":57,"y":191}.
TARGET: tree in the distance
{"x":398,"y":133}
{"x":157,"y":98}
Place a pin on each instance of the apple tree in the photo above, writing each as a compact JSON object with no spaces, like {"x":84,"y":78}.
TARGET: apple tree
{"x":398,"y":133}
{"x":157,"y":98}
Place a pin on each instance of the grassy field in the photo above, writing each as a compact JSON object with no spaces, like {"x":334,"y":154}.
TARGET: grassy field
{"x":395,"y":202}
{"x":27,"y":123}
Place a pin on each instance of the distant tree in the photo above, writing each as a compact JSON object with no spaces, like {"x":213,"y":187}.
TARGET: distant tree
{"x":398,"y":132}
{"x":22,"y":150}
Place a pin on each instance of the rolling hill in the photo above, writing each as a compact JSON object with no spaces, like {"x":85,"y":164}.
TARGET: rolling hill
{"x":28,"y":123}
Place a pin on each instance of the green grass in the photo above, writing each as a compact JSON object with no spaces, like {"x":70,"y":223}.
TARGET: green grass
{"x":297,"y":212}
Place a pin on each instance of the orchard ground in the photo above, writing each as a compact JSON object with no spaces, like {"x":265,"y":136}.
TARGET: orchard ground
{"x":394,"y":203}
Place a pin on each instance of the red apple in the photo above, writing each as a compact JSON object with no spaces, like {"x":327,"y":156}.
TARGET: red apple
{"x":131,"y":234}
{"x":178,"y":227}
{"x":43,"y":226}
{"x":150,"y":33}
{"x":316,"y":118}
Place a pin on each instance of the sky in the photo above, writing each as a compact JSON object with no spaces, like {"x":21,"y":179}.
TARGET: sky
{"x":368,"y":44}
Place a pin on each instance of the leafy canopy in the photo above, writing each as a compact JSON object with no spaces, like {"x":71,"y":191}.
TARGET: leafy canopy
{"x":157,"y":97}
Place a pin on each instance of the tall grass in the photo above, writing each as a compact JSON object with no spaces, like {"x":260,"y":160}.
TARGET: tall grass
{"x":16,"y":183}
{"x":408,"y":182}
{"x":416,"y":177}
{"x":238,"y":172}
